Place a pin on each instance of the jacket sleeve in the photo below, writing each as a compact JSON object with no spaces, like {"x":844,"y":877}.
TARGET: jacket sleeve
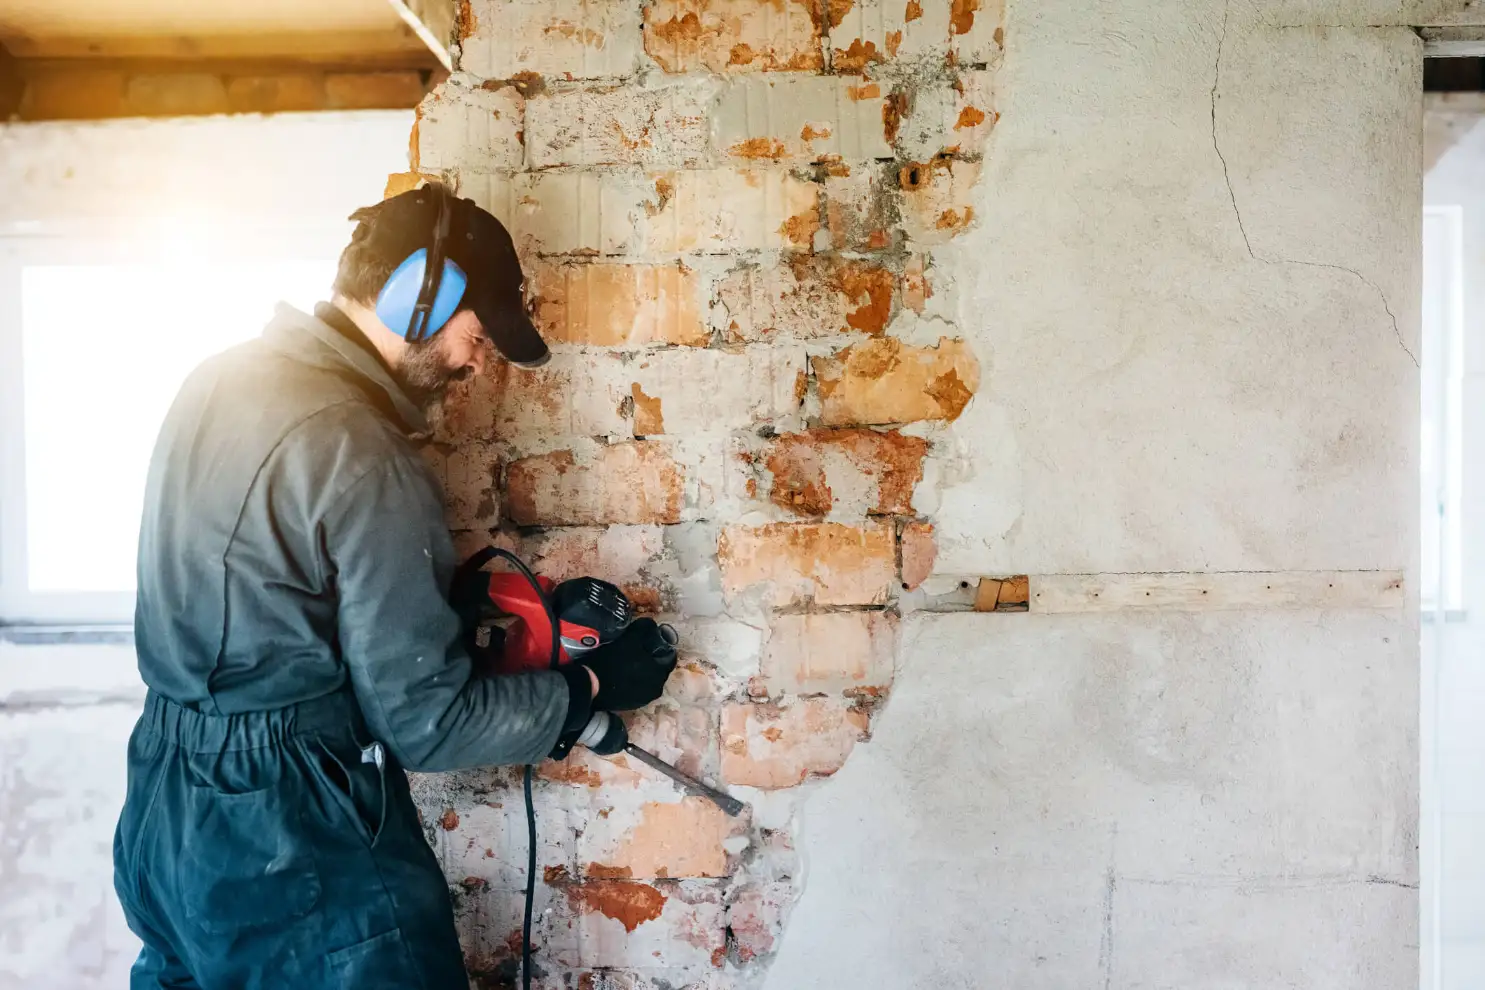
{"x":392,"y":560}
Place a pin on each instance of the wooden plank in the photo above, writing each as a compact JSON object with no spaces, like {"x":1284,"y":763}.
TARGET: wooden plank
{"x":433,"y":21}
{"x":397,"y":45}
{"x":1215,"y":592}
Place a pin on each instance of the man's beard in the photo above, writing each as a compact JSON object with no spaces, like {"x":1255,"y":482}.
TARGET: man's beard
{"x":425,"y":376}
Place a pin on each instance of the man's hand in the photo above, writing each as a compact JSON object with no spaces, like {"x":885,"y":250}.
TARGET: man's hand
{"x":593,"y":680}
{"x":631,"y":671}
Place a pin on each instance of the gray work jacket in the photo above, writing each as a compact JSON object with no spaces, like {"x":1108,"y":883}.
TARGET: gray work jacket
{"x":293,"y":543}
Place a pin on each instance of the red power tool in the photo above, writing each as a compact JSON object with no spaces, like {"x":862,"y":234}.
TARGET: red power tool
{"x":590,"y":613}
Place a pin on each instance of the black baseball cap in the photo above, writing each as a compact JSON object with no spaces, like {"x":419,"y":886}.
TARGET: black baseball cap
{"x":477,"y":243}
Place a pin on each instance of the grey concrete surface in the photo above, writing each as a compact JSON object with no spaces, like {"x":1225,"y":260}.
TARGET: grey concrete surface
{"x":65,"y":717}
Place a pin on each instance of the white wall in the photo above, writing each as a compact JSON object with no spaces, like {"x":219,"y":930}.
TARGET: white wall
{"x":1195,"y":285}
{"x":1458,"y":180}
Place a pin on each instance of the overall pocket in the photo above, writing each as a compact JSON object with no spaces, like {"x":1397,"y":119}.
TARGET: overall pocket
{"x":246,"y":860}
{"x":352,"y":781}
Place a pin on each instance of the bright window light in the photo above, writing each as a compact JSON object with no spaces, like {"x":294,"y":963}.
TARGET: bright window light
{"x":105,"y":348}
{"x":1441,"y":460}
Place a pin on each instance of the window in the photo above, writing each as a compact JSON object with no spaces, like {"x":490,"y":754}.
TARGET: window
{"x":99,"y":337}
{"x":1440,"y":448}
{"x":129,"y":251}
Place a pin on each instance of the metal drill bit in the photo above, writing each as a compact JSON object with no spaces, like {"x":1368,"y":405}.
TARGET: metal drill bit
{"x":726,"y":802}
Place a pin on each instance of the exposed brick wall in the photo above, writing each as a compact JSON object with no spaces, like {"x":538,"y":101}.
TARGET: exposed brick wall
{"x":728,"y":211}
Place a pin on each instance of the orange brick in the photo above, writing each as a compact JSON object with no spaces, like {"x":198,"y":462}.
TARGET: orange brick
{"x":807,"y":297}
{"x":734,"y":35}
{"x":830,"y":652}
{"x":662,"y":840}
{"x":919,"y":553}
{"x":610,"y":305}
{"x":886,"y":381}
{"x":373,"y":90}
{"x":667,"y":125}
{"x":937,"y":199}
{"x":853,"y":472}
{"x":826,"y":563}
{"x":771,"y":747}
{"x":635,"y":482}
{"x":562,"y":39}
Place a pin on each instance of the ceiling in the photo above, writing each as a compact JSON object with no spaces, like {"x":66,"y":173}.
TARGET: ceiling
{"x":202,"y":28}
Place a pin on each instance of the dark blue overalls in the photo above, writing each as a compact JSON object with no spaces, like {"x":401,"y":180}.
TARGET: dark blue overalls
{"x":293,"y":627}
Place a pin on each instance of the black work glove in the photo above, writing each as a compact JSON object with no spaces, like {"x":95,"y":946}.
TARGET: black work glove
{"x":633,"y":668}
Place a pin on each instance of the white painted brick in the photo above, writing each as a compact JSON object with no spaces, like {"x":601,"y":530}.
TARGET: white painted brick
{"x":727,"y":36}
{"x":667,"y":126}
{"x":571,"y":39}
{"x":977,"y":30}
{"x":569,"y":212}
{"x":732,"y":210}
{"x":941,"y":205}
{"x":949,"y":117}
{"x":714,"y":391}
{"x":881,"y":29}
{"x":685,"y":390}
{"x":800,"y":117}
{"x":466,"y":127}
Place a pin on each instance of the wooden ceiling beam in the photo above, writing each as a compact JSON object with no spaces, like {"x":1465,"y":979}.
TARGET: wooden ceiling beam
{"x":12,"y":86}
{"x":305,"y":46}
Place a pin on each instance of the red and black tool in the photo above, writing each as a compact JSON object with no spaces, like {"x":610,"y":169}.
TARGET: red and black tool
{"x":589,"y":613}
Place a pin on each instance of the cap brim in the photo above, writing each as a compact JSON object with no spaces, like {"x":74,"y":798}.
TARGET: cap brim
{"x":510,"y":328}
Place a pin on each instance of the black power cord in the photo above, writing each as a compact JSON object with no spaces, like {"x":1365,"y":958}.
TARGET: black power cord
{"x":475,"y":563}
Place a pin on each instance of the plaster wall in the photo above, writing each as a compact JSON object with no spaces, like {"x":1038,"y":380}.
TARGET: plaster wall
{"x":1196,"y":285}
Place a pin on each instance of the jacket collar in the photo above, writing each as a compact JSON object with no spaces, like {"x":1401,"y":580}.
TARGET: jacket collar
{"x":311,"y":340}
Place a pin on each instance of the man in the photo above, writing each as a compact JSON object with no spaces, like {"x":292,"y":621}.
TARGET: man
{"x":294,"y":629}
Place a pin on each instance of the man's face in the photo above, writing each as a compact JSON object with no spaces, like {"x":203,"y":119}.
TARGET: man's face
{"x":457,"y":351}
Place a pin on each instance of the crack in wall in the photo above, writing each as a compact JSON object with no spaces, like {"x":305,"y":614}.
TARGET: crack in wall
{"x":1237,"y":213}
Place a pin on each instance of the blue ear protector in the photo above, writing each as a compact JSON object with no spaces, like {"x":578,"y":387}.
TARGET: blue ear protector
{"x":426,"y":288}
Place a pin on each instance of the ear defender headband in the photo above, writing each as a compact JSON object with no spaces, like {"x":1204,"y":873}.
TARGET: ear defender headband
{"x":426,"y":288}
